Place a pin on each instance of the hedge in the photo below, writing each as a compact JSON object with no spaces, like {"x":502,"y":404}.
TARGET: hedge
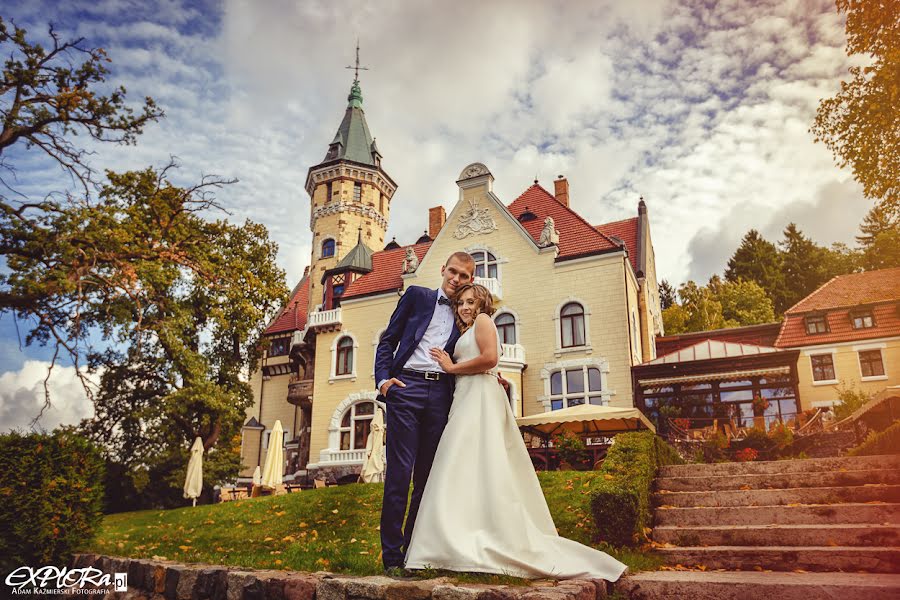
{"x":620,"y":500}
{"x":883,"y":442}
{"x":51,"y":495}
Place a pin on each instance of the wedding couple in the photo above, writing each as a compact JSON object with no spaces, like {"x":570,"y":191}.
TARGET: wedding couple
{"x":449,"y":425}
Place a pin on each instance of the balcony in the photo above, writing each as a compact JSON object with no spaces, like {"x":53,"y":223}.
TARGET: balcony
{"x":342,"y":457}
{"x":300,"y":392}
{"x":513,"y":354}
{"x":325,"y":319}
{"x":492,"y":284}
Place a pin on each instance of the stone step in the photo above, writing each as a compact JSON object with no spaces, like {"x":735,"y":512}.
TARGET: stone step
{"x":666,"y":585}
{"x":778,"y":480}
{"x":809,"y":465}
{"x":780,"y":535}
{"x":802,"y":495}
{"x":813,"y":514}
{"x":874,"y":559}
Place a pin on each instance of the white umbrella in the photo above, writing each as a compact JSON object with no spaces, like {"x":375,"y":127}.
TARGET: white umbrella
{"x":586,"y":419}
{"x":193,"y":482}
{"x":257,"y":476}
{"x":373,"y":468}
{"x":273,"y":468}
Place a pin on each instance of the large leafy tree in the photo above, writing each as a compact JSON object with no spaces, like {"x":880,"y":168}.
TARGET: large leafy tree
{"x":180,"y":299}
{"x":720,"y":303}
{"x":880,"y":237}
{"x":861,"y":123}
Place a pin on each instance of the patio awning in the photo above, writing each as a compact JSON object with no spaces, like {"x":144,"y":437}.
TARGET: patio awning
{"x":726,"y":376}
{"x":586,"y":419}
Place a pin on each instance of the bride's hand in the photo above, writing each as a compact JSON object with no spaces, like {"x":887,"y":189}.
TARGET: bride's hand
{"x":442,"y":358}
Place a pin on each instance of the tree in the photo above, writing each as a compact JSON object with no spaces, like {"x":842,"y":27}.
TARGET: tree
{"x":667,"y":295}
{"x":880,"y":237}
{"x":758,"y":260}
{"x":743,"y":302}
{"x":698,"y":311}
{"x":861,"y":123}
{"x":804,"y":264}
{"x":180,"y":300}
{"x":48,"y":96}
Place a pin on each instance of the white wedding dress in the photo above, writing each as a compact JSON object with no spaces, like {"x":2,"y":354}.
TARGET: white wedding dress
{"x":483,"y":509}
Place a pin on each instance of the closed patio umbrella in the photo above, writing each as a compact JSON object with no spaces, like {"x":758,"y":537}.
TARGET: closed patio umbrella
{"x":193,"y":482}
{"x":257,"y":475}
{"x":273,"y":468}
{"x":373,"y":467}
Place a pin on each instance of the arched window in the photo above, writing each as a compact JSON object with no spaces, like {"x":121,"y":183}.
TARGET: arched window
{"x":485,"y":264}
{"x":327,"y":248}
{"x":506,"y":327}
{"x":355,"y":425}
{"x":571,"y":323}
{"x":344,"y":361}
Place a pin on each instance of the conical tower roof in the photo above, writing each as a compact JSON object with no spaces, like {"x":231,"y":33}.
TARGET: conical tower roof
{"x":353,"y":140}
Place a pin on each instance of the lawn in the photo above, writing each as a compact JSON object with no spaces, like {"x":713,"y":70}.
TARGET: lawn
{"x":333,"y":529}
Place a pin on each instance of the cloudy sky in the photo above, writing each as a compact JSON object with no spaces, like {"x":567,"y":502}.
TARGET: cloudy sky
{"x":702,"y":108}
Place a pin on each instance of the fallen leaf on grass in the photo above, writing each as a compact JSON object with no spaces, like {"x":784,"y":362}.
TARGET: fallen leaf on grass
{"x":184,"y":548}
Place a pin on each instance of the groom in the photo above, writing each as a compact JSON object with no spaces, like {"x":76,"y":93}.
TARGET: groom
{"x":417,"y":394}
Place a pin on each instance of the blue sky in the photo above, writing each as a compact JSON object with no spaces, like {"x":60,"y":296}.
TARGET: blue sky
{"x":701,"y":108}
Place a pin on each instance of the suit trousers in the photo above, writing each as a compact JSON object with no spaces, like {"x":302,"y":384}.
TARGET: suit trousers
{"x":415,"y":417}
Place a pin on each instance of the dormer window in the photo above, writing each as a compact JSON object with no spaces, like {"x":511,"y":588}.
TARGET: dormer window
{"x":862,"y":319}
{"x":816,"y":324}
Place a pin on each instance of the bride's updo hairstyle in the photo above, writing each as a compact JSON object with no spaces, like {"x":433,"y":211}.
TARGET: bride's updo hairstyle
{"x":484,"y":302}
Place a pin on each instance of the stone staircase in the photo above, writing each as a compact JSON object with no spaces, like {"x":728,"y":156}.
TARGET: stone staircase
{"x":815,"y":528}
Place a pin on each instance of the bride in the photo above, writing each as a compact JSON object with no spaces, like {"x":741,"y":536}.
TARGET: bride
{"x":483,"y":509}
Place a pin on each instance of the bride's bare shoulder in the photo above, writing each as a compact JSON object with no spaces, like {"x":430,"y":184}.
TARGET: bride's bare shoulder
{"x":485,"y":321}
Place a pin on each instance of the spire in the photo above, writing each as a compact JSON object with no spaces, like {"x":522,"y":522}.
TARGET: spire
{"x":353,"y":140}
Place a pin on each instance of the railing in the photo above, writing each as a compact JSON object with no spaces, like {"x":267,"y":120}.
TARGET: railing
{"x":513,"y":353}
{"x":343,"y":456}
{"x":321,"y":318}
{"x":492,"y":284}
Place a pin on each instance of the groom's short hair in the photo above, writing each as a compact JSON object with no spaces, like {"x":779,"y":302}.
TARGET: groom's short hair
{"x":463,"y":257}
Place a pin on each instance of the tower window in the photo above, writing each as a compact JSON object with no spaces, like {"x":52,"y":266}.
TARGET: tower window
{"x":328,"y":248}
{"x":328,"y":192}
{"x":357,"y":192}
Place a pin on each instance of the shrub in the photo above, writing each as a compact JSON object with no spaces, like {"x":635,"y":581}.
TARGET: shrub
{"x":746,"y":455}
{"x":851,"y":399}
{"x":884,"y":442}
{"x":713,"y":449}
{"x":570,"y":447}
{"x":620,"y":500}
{"x":50,"y":497}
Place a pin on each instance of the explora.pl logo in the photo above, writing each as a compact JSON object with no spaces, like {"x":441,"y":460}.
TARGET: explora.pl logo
{"x":47,"y":581}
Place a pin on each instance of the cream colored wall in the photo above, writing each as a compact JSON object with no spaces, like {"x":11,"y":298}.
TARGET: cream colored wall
{"x":363,"y":320}
{"x":249,"y":451}
{"x":846,"y":370}
{"x":274,"y":406}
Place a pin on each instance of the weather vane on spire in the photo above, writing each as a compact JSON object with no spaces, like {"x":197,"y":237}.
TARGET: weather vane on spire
{"x":357,"y":68}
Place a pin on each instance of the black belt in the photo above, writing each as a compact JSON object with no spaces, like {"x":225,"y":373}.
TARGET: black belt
{"x":426,"y":375}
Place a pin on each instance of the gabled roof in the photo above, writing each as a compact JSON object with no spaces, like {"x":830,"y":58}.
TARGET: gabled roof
{"x":709,"y":349}
{"x":577,"y":237}
{"x":756,"y":335}
{"x":879,"y":291}
{"x":293,"y":316}
{"x":853,"y":289}
{"x":358,"y":259}
{"x":627,"y":231}
{"x":353,"y":140}
{"x":386,"y":274}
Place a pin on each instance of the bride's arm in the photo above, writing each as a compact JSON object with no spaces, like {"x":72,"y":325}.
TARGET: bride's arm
{"x":486,"y":338}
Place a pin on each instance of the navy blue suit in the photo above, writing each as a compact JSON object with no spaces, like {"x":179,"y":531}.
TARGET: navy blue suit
{"x":415,"y":418}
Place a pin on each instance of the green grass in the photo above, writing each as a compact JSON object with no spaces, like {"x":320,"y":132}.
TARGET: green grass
{"x":333,"y":529}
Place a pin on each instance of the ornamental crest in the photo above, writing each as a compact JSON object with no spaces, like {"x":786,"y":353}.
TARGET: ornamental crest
{"x":474,"y":221}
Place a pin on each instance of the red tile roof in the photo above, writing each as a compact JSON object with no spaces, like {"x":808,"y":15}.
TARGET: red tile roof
{"x":293,"y":316}
{"x":877,"y":290}
{"x":627,"y":231}
{"x":577,"y":237}
{"x":852,"y":290}
{"x":387,"y":267}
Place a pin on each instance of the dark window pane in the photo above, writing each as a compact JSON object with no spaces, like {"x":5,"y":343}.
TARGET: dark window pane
{"x":327,"y":248}
{"x":360,"y":433}
{"x":556,"y":383}
{"x":822,"y":367}
{"x":594,"y":380}
{"x":736,"y":395}
{"x":574,"y":381}
{"x":492,"y":271}
{"x":345,"y":440}
{"x":490,"y":256}
{"x":788,"y":408}
{"x":478,"y":256}
{"x":576,"y":401}
{"x":556,"y":404}
{"x":573,"y":308}
{"x":653,"y":391}
{"x":870,"y":363}
{"x":365,"y":408}
{"x":696,"y":386}
{"x":597,"y":400}
{"x":345,"y":422}
{"x":479,"y":270}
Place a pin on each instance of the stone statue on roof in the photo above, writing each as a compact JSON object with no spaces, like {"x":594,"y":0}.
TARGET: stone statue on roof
{"x":549,"y":234}
{"x":411,"y":262}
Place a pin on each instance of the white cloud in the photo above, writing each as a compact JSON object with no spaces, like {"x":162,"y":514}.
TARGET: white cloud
{"x":22,"y":397}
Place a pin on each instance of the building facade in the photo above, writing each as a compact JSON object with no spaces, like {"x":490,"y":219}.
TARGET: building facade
{"x":577,"y":304}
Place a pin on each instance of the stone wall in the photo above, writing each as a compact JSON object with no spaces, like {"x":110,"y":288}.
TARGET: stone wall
{"x":167,"y":580}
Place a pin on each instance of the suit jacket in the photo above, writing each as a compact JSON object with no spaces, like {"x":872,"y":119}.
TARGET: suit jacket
{"x":405,"y":331}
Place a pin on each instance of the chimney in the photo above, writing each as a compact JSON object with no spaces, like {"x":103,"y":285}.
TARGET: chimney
{"x":437,"y":216}
{"x":561,"y":190}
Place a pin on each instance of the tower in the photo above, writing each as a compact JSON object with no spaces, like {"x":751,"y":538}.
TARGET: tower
{"x":350,"y":194}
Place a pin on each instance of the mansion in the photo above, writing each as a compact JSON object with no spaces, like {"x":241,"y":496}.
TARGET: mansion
{"x":577,"y":303}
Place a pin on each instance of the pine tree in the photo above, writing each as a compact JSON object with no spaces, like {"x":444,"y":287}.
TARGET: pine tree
{"x":759,"y":261}
{"x":804,"y":266}
{"x":667,"y":295}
